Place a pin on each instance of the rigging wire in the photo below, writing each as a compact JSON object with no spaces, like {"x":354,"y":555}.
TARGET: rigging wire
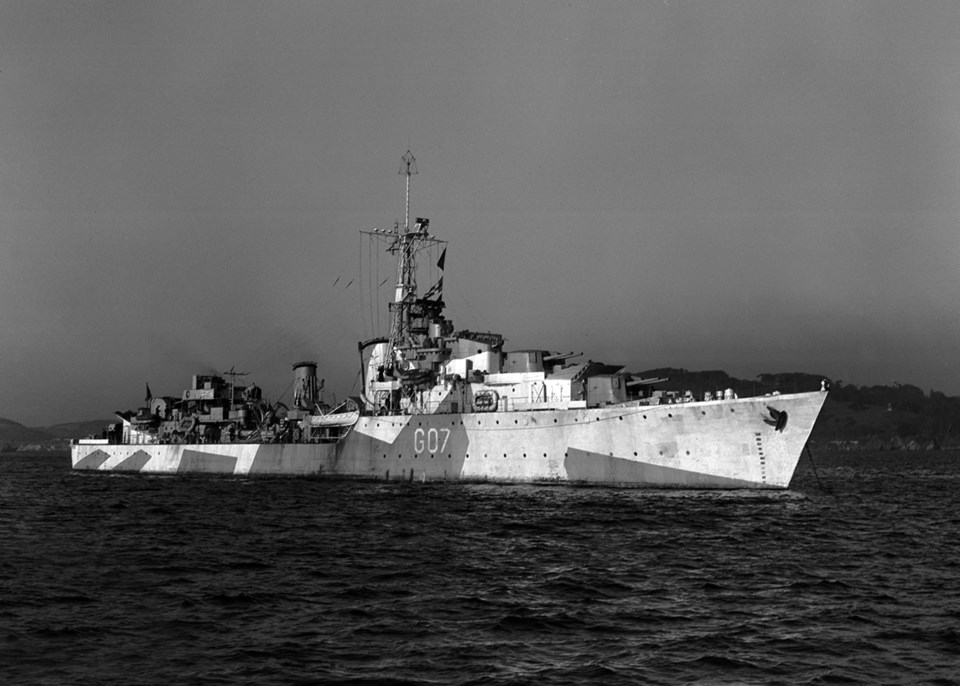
{"x":279,"y":341}
{"x":363,"y":323}
{"x":278,"y":399}
{"x":376,"y":296}
{"x":353,"y":389}
{"x":373,"y":265}
{"x":365,"y":275}
{"x":371,"y":303}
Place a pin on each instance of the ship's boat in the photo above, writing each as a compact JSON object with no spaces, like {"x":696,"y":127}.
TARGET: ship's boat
{"x":439,"y":403}
{"x":344,"y":416}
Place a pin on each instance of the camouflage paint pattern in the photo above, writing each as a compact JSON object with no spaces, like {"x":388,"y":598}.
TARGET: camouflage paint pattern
{"x":739,"y":443}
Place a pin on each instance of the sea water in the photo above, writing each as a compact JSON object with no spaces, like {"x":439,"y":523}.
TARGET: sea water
{"x":851,"y":576}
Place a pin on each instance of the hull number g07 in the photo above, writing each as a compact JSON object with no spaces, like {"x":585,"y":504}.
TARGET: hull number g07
{"x":431,"y":440}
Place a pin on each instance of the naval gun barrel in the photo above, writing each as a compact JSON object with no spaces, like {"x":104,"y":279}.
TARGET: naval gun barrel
{"x":637,"y":381}
{"x":553,"y":359}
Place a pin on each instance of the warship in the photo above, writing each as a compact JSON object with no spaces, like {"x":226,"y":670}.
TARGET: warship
{"x":441,"y":404}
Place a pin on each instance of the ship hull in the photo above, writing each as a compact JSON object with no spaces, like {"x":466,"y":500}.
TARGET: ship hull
{"x":740,"y":443}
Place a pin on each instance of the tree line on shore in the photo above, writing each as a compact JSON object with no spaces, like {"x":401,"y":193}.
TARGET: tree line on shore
{"x":895,"y":417}
{"x":867,"y":417}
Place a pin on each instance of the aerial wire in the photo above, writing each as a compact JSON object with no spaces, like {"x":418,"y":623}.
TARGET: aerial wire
{"x":375,"y":294}
{"x":363,"y":296}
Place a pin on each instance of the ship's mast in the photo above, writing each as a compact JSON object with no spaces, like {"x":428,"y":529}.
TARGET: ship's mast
{"x":404,"y":245}
{"x":408,"y":167}
{"x":406,"y":267}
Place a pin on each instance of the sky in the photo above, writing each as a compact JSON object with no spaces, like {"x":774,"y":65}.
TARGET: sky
{"x":753,"y":186}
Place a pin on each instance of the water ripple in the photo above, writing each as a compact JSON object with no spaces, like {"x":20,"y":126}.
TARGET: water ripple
{"x":109,"y":579}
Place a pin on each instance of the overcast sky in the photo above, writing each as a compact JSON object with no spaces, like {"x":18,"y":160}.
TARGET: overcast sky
{"x":756,"y":187}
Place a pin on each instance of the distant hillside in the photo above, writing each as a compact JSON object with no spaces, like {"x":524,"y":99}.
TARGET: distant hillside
{"x":854,"y":417}
{"x":78,"y":429}
{"x":12,"y":432}
{"x":718,"y":381}
{"x":889,"y":417}
{"x":16,"y":436}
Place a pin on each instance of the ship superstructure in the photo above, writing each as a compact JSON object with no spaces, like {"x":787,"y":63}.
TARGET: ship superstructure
{"x":442,"y":403}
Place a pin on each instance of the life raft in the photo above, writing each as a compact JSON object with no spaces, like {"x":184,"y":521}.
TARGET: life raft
{"x":486,"y":401}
